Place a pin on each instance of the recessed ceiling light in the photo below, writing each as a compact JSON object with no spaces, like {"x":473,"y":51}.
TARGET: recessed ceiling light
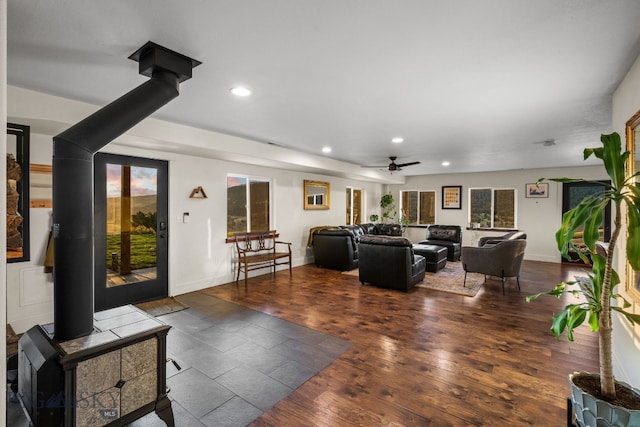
{"x":446,"y":163}
{"x":397,"y":140}
{"x":240,"y":91}
{"x":326,"y":150}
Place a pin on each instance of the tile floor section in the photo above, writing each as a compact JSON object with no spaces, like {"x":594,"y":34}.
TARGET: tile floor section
{"x":235,"y":362}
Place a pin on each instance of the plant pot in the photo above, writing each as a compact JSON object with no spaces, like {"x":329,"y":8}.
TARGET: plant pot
{"x":593,"y":412}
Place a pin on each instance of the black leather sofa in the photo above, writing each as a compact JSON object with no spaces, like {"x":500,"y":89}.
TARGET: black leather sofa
{"x":389,"y":262}
{"x":337,"y":247}
{"x":449,"y":236}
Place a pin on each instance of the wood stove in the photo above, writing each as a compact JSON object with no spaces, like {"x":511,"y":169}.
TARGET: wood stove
{"x":106,"y":368}
{"x":112,"y":376}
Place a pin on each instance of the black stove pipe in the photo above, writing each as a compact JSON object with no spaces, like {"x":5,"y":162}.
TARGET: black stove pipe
{"x":73,"y":151}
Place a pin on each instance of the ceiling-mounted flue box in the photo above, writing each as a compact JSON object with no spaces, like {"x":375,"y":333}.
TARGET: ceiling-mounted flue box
{"x":153,"y":57}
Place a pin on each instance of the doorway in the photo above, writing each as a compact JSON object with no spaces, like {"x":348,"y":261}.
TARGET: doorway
{"x":131,"y":230}
{"x":354,"y":206}
{"x":572,"y":194}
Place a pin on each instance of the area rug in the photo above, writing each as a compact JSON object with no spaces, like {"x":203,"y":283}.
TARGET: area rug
{"x":162,"y":306}
{"x":449,"y":279}
{"x":353,"y":272}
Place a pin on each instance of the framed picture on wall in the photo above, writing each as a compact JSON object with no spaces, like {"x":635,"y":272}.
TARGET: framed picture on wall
{"x":316,"y":194}
{"x":452,"y":197}
{"x":17,"y":237}
{"x":537,"y":190}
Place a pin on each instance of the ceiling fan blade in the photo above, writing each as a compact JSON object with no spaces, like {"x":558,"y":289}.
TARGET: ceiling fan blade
{"x":401,"y":165}
{"x":379,"y":166}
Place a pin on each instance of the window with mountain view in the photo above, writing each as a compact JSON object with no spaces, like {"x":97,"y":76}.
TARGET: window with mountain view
{"x":418,"y":207}
{"x":248,"y":204}
{"x":493,"y":208}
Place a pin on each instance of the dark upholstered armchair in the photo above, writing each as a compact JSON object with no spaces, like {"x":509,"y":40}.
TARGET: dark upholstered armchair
{"x":335,"y":248}
{"x":389,"y":262}
{"x":449,"y":236}
{"x":513,"y":235}
{"x":503,"y":259}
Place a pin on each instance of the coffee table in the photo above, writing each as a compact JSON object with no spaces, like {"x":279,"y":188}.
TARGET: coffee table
{"x":436,"y":256}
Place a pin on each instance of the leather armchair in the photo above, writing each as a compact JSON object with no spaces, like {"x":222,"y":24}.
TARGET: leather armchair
{"x":449,"y":236}
{"x":335,"y":248}
{"x":389,"y":262}
{"x":513,"y":235}
{"x":503,"y":260}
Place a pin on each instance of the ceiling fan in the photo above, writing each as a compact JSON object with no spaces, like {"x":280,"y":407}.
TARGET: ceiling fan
{"x":393,"y":166}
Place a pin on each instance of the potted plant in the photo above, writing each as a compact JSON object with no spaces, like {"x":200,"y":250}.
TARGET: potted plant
{"x":598,"y":288}
{"x":390,"y":213}
{"x":388,"y":205}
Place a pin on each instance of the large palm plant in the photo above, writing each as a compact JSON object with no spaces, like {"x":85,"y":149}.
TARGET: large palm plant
{"x":598,"y":288}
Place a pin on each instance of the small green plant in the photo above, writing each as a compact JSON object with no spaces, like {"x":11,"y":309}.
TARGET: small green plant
{"x":374,"y":218}
{"x":403,"y":220}
{"x":388,"y":205}
{"x":598,"y":287}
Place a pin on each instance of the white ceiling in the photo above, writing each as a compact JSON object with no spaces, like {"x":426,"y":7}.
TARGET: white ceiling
{"x":480,"y":83}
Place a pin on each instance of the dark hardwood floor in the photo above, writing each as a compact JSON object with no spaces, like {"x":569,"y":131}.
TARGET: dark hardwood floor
{"x":425,"y":358}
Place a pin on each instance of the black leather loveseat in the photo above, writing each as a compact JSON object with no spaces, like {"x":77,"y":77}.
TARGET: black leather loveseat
{"x":337,"y":247}
{"x":389,"y":262}
{"x":449,"y":236}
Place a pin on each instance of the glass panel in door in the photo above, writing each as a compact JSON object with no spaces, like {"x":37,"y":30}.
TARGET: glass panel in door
{"x":357,"y":207}
{"x":349,"y":202}
{"x":354,"y":206}
{"x":131,"y":243}
{"x":131,"y":222}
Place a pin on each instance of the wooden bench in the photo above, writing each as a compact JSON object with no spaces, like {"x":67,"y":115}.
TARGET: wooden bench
{"x":258,"y":250}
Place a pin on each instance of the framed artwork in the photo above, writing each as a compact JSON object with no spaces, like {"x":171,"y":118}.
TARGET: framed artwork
{"x":537,"y":190}
{"x":633,"y":136}
{"x":316,"y":194}
{"x":452,"y":197}
{"x":17,"y":193}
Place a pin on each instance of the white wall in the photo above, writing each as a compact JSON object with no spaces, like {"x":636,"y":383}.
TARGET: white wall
{"x":626,"y":338}
{"x":538,"y":217}
{"x":198,"y":254}
{"x":29,"y":288}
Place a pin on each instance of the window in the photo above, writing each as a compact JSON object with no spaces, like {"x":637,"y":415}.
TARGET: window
{"x":248,"y":204}
{"x":354,"y":206}
{"x":418,"y":207}
{"x":493,"y":208}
